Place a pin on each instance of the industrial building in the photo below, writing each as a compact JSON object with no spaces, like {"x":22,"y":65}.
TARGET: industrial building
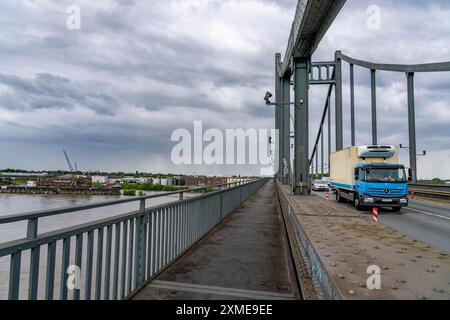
{"x":23,"y":175}
{"x":100,"y":179}
{"x":204,"y":181}
{"x":238,"y":180}
{"x":65,"y":181}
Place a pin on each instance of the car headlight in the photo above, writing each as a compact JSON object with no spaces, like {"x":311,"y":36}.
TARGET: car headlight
{"x":404,"y":200}
{"x":367,"y":199}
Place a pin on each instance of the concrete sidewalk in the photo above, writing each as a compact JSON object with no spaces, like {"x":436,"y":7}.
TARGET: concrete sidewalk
{"x":244,"y":257}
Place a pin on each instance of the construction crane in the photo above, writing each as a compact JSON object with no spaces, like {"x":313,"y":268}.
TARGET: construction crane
{"x":68,"y":161}
{"x":74,"y":178}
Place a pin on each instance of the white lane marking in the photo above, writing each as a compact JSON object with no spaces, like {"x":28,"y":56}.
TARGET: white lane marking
{"x":429,"y":214}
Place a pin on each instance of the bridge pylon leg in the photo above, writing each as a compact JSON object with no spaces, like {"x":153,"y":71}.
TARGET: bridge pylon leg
{"x":278,"y":122}
{"x":286,"y":129}
{"x":301,"y":87}
{"x":412,"y":127}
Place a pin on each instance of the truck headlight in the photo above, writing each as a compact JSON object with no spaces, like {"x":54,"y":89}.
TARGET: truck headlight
{"x":404,"y":200}
{"x":367,"y":199}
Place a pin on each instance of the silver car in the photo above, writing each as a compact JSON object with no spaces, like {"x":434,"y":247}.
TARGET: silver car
{"x":320,"y":185}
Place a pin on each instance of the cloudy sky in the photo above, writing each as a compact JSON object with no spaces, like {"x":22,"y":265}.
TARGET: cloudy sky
{"x":112,"y":92}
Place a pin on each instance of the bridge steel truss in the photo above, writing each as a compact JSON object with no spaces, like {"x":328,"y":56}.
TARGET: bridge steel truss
{"x":409,"y":71}
{"x":312,"y":20}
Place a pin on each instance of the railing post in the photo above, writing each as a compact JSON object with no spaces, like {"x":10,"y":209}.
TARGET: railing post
{"x":108,"y":261}
{"x":412,"y":127}
{"x":89,"y":263}
{"x":240,"y":194}
{"x":14,"y":275}
{"x":221,"y":206}
{"x":180,"y":196}
{"x":65,"y":259}
{"x":78,"y":261}
{"x":32,"y":228}
{"x":139,"y":265}
{"x":374,"y":106}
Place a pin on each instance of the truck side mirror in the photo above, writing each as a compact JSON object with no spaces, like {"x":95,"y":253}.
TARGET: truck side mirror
{"x":356,"y":173}
{"x":410,"y":174}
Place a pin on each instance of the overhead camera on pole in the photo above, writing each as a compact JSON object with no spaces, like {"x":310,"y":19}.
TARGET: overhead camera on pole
{"x":424,"y":152}
{"x":268,"y":103}
{"x":267,"y":97}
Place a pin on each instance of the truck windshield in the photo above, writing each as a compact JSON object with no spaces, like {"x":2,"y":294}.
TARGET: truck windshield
{"x":385,"y":175}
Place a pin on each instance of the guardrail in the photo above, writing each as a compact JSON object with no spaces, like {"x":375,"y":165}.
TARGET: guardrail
{"x":430,"y":186}
{"x":430,"y":191}
{"x":111,"y":258}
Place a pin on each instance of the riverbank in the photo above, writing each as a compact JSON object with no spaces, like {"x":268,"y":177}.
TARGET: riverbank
{"x":151,"y":187}
{"x":62,"y":191}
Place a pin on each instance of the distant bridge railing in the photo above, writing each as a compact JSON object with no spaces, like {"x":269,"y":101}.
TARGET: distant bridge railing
{"x":430,"y":191}
{"x":112,"y":258}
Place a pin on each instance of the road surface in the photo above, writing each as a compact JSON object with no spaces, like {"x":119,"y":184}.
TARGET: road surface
{"x":425,"y":220}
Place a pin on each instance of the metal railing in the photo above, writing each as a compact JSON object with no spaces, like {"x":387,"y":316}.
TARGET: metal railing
{"x":113,"y":257}
{"x":430,"y":191}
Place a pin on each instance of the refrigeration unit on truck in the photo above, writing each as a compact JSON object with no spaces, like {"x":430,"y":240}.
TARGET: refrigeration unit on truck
{"x":369,"y":176}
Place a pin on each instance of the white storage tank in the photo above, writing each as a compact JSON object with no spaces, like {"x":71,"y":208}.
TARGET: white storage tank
{"x":31,"y":184}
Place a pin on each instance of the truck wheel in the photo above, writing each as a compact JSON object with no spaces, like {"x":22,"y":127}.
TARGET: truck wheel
{"x":338,"y":197}
{"x":357,"y":203}
{"x":396,"y":209}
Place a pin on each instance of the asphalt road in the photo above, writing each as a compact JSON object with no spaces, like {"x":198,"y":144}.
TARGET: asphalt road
{"x":426,"y":221}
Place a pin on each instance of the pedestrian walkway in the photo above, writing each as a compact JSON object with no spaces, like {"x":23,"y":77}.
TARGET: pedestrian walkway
{"x":244,"y":257}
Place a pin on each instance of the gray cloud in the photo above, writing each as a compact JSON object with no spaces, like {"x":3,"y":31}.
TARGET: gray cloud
{"x":52,"y":92}
{"x":139,"y":69}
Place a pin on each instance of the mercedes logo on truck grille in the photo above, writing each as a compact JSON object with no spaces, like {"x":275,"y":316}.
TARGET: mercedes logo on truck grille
{"x":386,"y":190}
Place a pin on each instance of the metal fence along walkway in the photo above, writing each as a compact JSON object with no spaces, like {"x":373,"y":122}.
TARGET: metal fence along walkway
{"x":112,"y":257}
{"x":246,"y":256}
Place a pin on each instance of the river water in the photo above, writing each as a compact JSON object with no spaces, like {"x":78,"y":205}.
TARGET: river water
{"x":21,"y":203}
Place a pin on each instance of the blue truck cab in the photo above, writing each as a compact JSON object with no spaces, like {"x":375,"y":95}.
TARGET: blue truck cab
{"x":380,"y":185}
{"x":370,"y":176}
